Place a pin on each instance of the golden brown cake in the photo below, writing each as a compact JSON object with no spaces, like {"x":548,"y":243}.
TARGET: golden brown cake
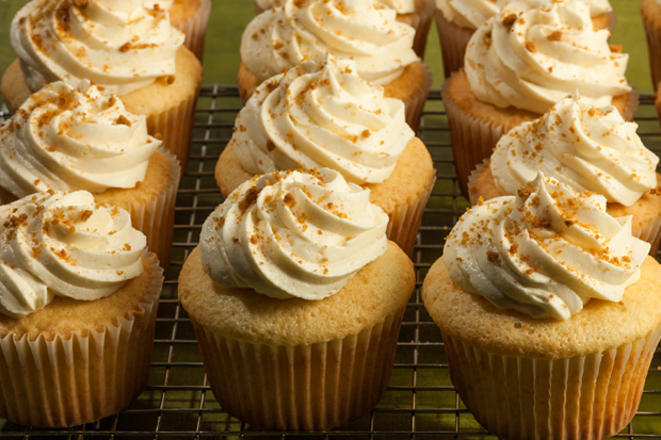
{"x":191,"y":17}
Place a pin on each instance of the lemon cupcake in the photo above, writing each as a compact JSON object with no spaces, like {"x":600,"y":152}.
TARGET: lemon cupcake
{"x":65,"y":139}
{"x":518,"y":64}
{"x":361,"y":30}
{"x":296,"y":297}
{"x":457,"y":20}
{"x":586,"y":147}
{"x":416,"y":13}
{"x":322,"y":114}
{"x":123,"y":47}
{"x":78,"y":302}
{"x":191,"y":18}
{"x":550,"y":313}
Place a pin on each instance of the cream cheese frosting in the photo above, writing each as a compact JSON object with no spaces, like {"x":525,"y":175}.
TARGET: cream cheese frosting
{"x":589,"y":148}
{"x":66,"y":245}
{"x":322,"y":114}
{"x":121,"y":45}
{"x":530,"y":59}
{"x":472,"y":13}
{"x":545,"y":252}
{"x":67,"y":138}
{"x":299,"y":30}
{"x":291,"y":234}
{"x":401,"y":6}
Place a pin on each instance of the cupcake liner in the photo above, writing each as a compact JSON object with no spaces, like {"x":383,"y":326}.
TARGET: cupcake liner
{"x":415,"y":103}
{"x":584,"y":397}
{"x":454,"y":40}
{"x":473,"y":193}
{"x":652,"y":27}
{"x":195,"y":29}
{"x":156,"y":217}
{"x":81,"y":378}
{"x":301,"y":387}
{"x":405,"y":220}
{"x":175,"y":127}
{"x":649,"y":232}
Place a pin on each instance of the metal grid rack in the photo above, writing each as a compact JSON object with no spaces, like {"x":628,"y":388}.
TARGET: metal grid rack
{"x":420,"y":401}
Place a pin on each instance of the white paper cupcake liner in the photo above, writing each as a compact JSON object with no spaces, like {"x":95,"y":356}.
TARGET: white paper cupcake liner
{"x":415,"y":103}
{"x":583,"y":397}
{"x":195,"y":29}
{"x":301,"y":387}
{"x":405,"y":220}
{"x":74,"y":380}
{"x":454,"y":40}
{"x":651,"y":233}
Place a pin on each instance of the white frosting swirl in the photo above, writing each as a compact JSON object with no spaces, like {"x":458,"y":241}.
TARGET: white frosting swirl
{"x":64,"y":138}
{"x":589,"y":148}
{"x":545,"y":252}
{"x":472,"y":13}
{"x":322,"y":114}
{"x":121,"y":45}
{"x":401,"y":6}
{"x":293,"y":234}
{"x":532,"y":59}
{"x":66,"y":245}
{"x":299,"y":30}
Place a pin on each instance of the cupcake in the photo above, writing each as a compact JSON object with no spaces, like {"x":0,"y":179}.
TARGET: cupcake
{"x":518,"y":64}
{"x":550,"y":313}
{"x":65,"y":139}
{"x":416,"y":13}
{"x":191,"y":18}
{"x":651,"y":11}
{"x":296,"y":298}
{"x":586,"y":147}
{"x":361,"y":30}
{"x":123,"y":47}
{"x":78,"y":302}
{"x":322,"y":114}
{"x":457,"y":20}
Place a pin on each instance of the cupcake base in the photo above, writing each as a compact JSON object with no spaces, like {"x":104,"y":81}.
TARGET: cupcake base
{"x":75,"y":362}
{"x":454,"y":40}
{"x":192,"y":18}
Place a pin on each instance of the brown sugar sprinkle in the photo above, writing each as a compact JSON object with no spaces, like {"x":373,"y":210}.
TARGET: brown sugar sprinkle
{"x":524,"y":193}
{"x":509,"y":20}
{"x":555,"y":36}
{"x":617,"y":48}
{"x":270,"y":145}
{"x":530,"y":46}
{"x":289,"y":200}
{"x":249,"y":199}
{"x":86,"y":214}
{"x":365,"y":133}
{"x":122,"y":120}
{"x":493,"y":257}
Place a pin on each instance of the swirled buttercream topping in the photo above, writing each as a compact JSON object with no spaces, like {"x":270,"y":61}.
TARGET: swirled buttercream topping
{"x":299,"y":30}
{"x":590,"y":148}
{"x":64,"y":138}
{"x":322,"y":114}
{"x":120,"y":45}
{"x":472,"y":13}
{"x":401,"y":6}
{"x":293,"y":235}
{"x":545,"y":252}
{"x":66,"y":245}
{"x":531,"y":59}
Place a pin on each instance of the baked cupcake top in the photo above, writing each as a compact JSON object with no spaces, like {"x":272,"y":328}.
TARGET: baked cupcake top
{"x":589,"y":148}
{"x":544,"y":252}
{"x":401,"y":6}
{"x":322,"y":114}
{"x":299,"y":30}
{"x":121,"y":45}
{"x":66,"y":245}
{"x":293,"y":234}
{"x":532,"y":58}
{"x":67,"y":138}
{"x":472,"y":13}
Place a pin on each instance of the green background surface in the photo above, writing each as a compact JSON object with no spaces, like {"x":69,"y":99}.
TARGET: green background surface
{"x":229,"y":18}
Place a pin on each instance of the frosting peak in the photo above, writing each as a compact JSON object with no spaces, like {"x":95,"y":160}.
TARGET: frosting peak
{"x":532,"y":58}
{"x":545,"y":252}
{"x":121,"y":45}
{"x":293,"y":235}
{"x":589,"y":148}
{"x":322,"y":114}
{"x":66,"y":245}
{"x":299,"y":30}
{"x":64,"y":138}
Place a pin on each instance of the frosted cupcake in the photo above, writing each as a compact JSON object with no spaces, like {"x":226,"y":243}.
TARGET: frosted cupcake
{"x":361,"y":30}
{"x":78,"y":302}
{"x":550,"y":313}
{"x":121,"y":46}
{"x":416,"y":13}
{"x":457,"y":20}
{"x":296,"y":297}
{"x":66,"y":139}
{"x":518,"y":64}
{"x":191,"y":18}
{"x":322,"y":114}
{"x":588,"y":148}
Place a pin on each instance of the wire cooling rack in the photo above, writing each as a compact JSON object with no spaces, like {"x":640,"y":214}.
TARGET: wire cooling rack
{"x":420,"y":402}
